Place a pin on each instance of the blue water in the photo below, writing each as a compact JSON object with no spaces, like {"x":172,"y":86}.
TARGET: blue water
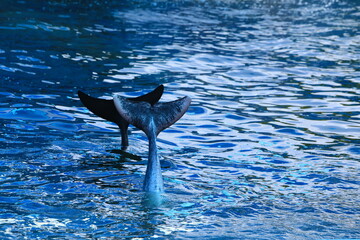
{"x":269,"y":148}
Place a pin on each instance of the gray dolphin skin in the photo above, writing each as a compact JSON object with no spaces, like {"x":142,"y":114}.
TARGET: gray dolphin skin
{"x":152,"y":119}
{"x":106,"y":109}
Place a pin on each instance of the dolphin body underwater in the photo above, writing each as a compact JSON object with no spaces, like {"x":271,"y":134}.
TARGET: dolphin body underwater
{"x":145,"y":113}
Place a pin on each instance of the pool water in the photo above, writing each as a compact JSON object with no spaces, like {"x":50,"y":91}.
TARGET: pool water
{"x":269,"y":148}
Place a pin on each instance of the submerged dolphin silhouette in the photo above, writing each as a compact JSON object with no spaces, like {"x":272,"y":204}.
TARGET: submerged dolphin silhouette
{"x":152,"y":119}
{"x":106,"y":109}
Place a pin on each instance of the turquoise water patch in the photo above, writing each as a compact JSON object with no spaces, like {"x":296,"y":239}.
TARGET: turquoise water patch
{"x":24,"y":114}
{"x":290,"y":131}
{"x":220,"y":145}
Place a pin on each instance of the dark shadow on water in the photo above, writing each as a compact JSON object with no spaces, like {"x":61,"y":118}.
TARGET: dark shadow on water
{"x":125,"y":154}
{"x":117,"y":159}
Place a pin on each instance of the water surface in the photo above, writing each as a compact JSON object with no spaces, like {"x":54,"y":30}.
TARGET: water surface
{"x":269,"y":148}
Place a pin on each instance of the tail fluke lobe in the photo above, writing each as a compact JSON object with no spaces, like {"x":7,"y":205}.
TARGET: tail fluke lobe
{"x":151,"y":97}
{"x":152,"y":119}
{"x":166,"y":114}
{"x":101,"y":107}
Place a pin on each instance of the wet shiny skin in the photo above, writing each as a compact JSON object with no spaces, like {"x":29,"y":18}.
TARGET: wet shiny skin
{"x":269,"y":148}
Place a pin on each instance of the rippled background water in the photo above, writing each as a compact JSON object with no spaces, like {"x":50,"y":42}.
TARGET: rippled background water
{"x":268,"y":150}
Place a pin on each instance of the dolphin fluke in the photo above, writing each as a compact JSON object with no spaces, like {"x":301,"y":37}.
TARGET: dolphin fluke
{"x":151,"y":97}
{"x":100,"y":107}
{"x":106,"y":108}
{"x":151,"y":118}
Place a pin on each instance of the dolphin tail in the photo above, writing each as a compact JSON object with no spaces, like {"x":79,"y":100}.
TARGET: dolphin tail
{"x":152,"y":119}
{"x":100,"y":107}
{"x":106,"y":109}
